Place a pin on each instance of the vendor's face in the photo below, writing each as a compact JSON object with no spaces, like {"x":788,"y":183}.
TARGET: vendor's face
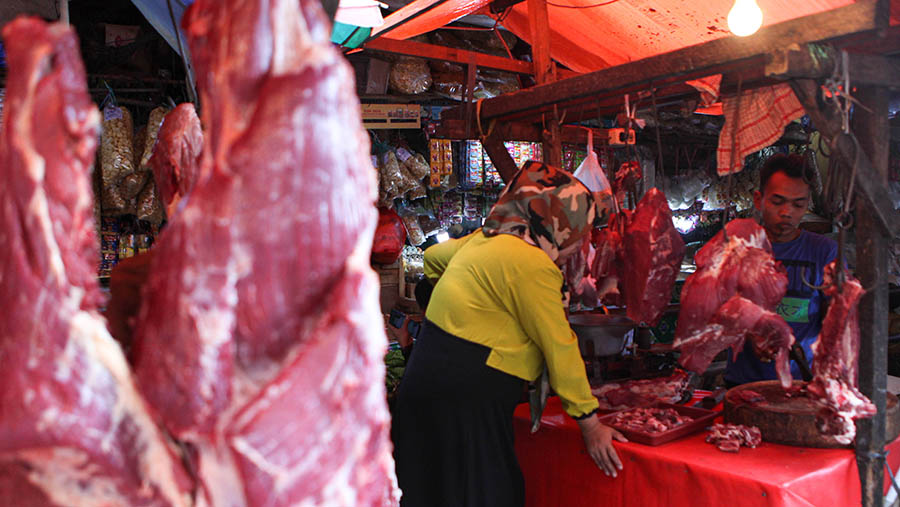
{"x":783,"y":202}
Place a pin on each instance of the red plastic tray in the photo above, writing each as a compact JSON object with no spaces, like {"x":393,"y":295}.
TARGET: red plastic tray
{"x":702,"y":419}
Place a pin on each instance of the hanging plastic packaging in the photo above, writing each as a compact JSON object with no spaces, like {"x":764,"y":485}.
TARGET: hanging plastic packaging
{"x":390,"y":236}
{"x":591,"y":174}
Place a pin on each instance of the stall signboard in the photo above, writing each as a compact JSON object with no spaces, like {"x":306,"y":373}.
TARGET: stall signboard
{"x":392,"y":116}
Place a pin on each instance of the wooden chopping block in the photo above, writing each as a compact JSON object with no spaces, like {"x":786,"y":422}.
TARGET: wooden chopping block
{"x":791,"y":421}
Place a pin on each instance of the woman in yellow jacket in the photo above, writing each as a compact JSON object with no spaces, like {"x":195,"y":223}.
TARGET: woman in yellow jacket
{"x":496,"y":316}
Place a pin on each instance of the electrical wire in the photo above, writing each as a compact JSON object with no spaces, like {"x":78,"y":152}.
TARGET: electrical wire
{"x":582,"y":6}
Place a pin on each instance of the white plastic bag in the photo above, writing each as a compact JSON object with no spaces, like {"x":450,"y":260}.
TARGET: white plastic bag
{"x":591,"y":174}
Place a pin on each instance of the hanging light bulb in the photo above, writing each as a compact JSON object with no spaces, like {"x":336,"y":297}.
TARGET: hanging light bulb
{"x":744,"y":18}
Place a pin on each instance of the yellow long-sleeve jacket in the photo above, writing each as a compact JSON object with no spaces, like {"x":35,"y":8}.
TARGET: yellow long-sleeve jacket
{"x":505,"y":294}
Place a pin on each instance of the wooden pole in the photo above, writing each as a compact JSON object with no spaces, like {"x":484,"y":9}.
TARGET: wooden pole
{"x":64,"y":11}
{"x":539,"y":27}
{"x":872,"y":130}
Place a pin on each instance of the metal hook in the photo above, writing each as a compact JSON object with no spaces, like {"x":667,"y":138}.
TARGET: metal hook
{"x":805,"y":280}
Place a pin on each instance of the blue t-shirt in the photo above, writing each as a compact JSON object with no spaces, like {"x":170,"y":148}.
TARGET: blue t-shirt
{"x":801,"y":307}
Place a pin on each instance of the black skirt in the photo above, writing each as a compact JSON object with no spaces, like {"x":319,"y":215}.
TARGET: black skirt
{"x":452,"y":427}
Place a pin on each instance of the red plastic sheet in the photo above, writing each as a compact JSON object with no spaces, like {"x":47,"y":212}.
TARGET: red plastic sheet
{"x":597,"y":34}
{"x":686,"y":472}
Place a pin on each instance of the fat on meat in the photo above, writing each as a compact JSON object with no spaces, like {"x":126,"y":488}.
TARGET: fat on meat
{"x":836,"y":352}
{"x":260,"y":342}
{"x":734,"y":275}
{"x":74,"y":430}
{"x":176,"y":155}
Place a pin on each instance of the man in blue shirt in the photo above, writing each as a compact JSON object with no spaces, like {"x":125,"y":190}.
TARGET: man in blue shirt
{"x":783,"y":199}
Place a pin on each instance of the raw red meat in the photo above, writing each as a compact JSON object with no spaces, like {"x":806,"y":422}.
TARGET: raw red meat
{"x":579,"y":279}
{"x":653,"y":252}
{"x":739,"y":319}
{"x":73,"y":428}
{"x":730,"y":437}
{"x":739,"y":270}
{"x":176,"y":156}
{"x":627,"y":176}
{"x":836,"y":352}
{"x":256,"y":342}
{"x":751,"y":397}
{"x":608,"y":265}
{"x":650,"y":420}
{"x":638,"y":258}
{"x":633,"y":393}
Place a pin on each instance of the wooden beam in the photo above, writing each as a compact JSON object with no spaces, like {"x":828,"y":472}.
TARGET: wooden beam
{"x":500,"y":157}
{"x":539,"y":29}
{"x":690,"y":62}
{"x":872,"y":270}
{"x":816,"y":61}
{"x":518,"y":131}
{"x":869,"y":187}
{"x":461,"y":56}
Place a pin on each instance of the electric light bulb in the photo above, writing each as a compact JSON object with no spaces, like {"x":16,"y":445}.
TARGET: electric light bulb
{"x":745,"y":18}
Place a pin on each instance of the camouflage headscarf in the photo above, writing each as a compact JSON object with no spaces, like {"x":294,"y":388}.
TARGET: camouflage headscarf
{"x":545,"y":206}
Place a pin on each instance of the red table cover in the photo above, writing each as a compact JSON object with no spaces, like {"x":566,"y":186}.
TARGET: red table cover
{"x":558,"y":471}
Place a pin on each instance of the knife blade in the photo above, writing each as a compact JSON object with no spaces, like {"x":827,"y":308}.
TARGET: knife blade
{"x":710,"y":401}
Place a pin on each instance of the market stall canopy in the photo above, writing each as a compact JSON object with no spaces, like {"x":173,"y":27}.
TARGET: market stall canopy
{"x":589,"y":35}
{"x":158,"y":15}
{"x":352,"y":25}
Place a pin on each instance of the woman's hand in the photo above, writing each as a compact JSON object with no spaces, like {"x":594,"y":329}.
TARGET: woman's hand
{"x":598,"y":439}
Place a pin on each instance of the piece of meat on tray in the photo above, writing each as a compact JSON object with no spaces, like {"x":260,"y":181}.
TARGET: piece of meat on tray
{"x":731,"y":437}
{"x":634,"y":393}
{"x":650,"y":420}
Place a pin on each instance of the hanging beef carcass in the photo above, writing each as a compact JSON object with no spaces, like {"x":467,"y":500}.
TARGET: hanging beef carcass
{"x":608,"y":267}
{"x":637,"y":259}
{"x":653,"y":251}
{"x":835,"y":377}
{"x":176,"y":156}
{"x":257,"y":343}
{"x":73,"y":428}
{"x":579,"y":279}
{"x":731,"y":297}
